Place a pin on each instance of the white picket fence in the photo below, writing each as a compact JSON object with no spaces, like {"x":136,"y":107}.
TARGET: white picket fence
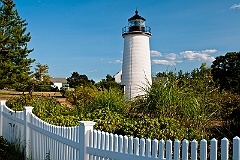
{"x":41,"y":140}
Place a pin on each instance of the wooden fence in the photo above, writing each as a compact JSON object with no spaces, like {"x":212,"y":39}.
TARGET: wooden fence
{"x":41,"y":140}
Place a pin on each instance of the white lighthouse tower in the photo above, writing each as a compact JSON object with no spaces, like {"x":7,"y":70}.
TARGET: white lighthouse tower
{"x":136,"y":67}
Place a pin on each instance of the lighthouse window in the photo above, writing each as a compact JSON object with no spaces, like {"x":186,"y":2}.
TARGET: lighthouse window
{"x":136,"y":23}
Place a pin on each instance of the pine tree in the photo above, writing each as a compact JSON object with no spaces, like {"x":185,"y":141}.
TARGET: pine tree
{"x":43,"y":82}
{"x":226,"y":71}
{"x":14,"y":62}
{"x":41,"y":72}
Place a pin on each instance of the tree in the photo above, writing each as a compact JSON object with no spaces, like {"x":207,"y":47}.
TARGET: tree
{"x":43,"y":79}
{"x":41,"y":72}
{"x":226,"y":71}
{"x":14,"y":62}
{"x":108,"y":83}
{"x":79,"y":80}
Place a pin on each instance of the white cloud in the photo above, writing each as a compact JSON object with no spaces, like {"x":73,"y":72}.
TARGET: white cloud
{"x":209,"y":51}
{"x":171,"y":59}
{"x":93,"y":71}
{"x":171,"y":56}
{"x":164,"y":62}
{"x":235,"y":6}
{"x":115,"y":62}
{"x":190,"y":55}
{"x":118,"y":61}
{"x":197,"y":55}
{"x":155,"y":53}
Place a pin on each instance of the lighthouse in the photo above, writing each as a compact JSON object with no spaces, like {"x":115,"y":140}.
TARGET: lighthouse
{"x":136,"y":66}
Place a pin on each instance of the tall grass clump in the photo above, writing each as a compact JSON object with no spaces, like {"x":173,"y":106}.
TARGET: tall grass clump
{"x":111,"y":99}
{"x":162,"y":99}
{"x":190,"y":100}
{"x":11,"y":150}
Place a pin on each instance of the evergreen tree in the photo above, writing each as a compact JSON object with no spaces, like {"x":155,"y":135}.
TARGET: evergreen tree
{"x":14,"y":62}
{"x":41,"y":72}
{"x":226,"y":71}
{"x":79,"y":80}
{"x":43,"y":82}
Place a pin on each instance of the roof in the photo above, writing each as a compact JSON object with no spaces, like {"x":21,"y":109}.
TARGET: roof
{"x":136,"y":16}
{"x":58,"y":80}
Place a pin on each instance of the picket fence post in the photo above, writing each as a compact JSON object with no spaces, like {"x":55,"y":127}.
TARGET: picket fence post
{"x":2,"y":103}
{"x":27,"y":112}
{"x":236,"y":148}
{"x":85,"y":128}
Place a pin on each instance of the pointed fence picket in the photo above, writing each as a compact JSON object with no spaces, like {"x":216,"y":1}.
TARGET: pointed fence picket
{"x":129,"y":148}
{"x":42,"y":140}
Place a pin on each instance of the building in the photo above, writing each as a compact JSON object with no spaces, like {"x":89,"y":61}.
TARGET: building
{"x":118,"y":77}
{"x":59,"y":82}
{"x":136,"y":67}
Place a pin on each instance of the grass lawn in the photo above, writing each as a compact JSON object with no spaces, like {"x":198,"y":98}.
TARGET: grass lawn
{"x":6,"y":94}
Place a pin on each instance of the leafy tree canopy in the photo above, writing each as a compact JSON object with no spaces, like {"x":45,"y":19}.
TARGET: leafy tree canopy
{"x":198,"y":80}
{"x":108,"y":83}
{"x":41,"y":72}
{"x":42,"y":79}
{"x":79,"y":80}
{"x":226,"y":71}
{"x":14,"y":62}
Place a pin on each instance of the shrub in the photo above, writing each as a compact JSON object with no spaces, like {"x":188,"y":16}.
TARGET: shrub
{"x":81,"y":96}
{"x":46,"y":108}
{"x":17,"y":103}
{"x":10,"y":151}
{"x":229,"y":114}
{"x":111,"y":99}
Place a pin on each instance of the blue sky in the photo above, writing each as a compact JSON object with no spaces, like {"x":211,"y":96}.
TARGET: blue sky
{"x":86,"y":35}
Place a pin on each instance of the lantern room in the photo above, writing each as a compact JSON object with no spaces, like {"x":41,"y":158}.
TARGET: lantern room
{"x":136,"y":24}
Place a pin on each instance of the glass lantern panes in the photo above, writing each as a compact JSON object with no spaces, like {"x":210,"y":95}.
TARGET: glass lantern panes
{"x":136,"y":22}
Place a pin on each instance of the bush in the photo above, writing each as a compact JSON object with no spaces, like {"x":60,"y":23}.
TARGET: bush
{"x":10,"y":151}
{"x":44,"y":88}
{"x":81,"y":96}
{"x":17,"y":103}
{"x":46,"y":108}
{"x":229,"y":114}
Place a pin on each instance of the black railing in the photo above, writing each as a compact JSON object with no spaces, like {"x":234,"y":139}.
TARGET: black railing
{"x":135,"y":29}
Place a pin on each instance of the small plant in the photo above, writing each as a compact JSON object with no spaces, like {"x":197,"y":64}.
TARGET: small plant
{"x":11,"y":151}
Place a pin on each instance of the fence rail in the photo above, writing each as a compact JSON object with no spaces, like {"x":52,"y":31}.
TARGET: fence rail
{"x":40,"y":139}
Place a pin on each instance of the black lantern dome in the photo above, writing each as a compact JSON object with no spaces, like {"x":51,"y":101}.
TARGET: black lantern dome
{"x":136,"y":16}
{"x":136,"y":24}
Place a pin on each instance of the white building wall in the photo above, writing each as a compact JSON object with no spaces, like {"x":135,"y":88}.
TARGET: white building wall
{"x":59,"y":85}
{"x":118,"y":77}
{"x":136,"y":67}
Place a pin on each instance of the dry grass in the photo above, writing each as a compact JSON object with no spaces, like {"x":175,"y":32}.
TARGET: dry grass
{"x":6,"y":94}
